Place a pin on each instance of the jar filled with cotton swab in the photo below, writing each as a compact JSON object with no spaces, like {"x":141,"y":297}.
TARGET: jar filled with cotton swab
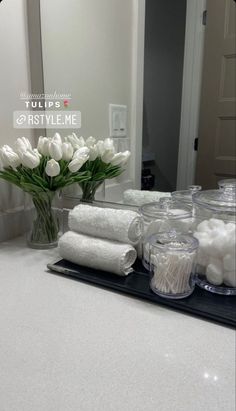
{"x":172,"y":264}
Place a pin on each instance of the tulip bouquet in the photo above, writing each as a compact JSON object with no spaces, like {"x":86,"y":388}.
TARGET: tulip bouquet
{"x":103,"y":162}
{"x":41,"y":173}
{"x":54,"y":164}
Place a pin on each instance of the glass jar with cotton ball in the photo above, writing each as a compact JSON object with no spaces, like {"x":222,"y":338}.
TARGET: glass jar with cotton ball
{"x":172,"y":264}
{"x":215,"y":229}
{"x":163,"y":216}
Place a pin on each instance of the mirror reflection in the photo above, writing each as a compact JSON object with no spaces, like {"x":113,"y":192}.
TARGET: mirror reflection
{"x":148,"y":74}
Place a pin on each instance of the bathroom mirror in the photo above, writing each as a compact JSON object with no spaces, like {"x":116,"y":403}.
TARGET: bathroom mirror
{"x":106,"y":52}
{"x":142,"y":58}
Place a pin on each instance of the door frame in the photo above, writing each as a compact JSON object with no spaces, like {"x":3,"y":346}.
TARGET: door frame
{"x":136,"y":137}
{"x":191,"y":92}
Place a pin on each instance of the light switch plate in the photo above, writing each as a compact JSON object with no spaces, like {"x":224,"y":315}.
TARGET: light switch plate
{"x":118,"y":120}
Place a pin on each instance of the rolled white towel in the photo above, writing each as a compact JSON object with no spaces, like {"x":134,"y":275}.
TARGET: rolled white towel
{"x":140,"y":197}
{"x":97,"y":253}
{"x":113,"y":224}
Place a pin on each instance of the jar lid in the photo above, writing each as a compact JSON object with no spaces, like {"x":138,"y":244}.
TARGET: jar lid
{"x":223,"y":199}
{"x":186,"y":195}
{"x":174,"y":242}
{"x":166,"y":207}
{"x":228,"y":182}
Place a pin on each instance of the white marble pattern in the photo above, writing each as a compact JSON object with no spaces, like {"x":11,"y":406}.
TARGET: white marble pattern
{"x":68,"y":346}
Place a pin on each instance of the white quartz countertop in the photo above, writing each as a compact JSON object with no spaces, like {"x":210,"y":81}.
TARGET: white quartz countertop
{"x":69,"y":346}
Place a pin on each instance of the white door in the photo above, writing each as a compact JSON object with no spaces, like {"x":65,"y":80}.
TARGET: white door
{"x":217,"y":144}
{"x":93,"y":50}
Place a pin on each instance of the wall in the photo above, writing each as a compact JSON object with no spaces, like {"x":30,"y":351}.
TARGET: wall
{"x":163,"y":70}
{"x":88,"y":52}
{"x":14,"y":78}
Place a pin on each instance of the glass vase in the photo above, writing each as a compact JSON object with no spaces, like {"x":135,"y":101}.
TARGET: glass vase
{"x":89,"y":189}
{"x":44,"y":214}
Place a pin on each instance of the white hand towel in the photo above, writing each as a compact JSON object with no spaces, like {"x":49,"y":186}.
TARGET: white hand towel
{"x":140,"y":197}
{"x":97,"y":253}
{"x":113,"y":224}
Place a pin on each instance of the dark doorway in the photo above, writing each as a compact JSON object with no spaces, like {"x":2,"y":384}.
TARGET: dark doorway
{"x":163,"y":71}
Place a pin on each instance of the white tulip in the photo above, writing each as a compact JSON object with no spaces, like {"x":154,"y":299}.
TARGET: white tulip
{"x":9,"y":158}
{"x":4,"y":159}
{"x":81,"y":141}
{"x":80,"y":157}
{"x":82,"y":152}
{"x":30,"y":159}
{"x":100,"y":147}
{"x":90,"y":141}
{"x":108,"y":156}
{"x":109,"y":150}
{"x":43,"y":146}
{"x":67,"y":151}
{"x":93,"y":153}
{"x":126,"y":155}
{"x":37,"y":152}
{"x":22,"y":144}
{"x":76,"y":164}
{"x":1,"y":163}
{"x":120,"y":159}
{"x":57,"y":138}
{"x":75,"y":141}
{"x":55,"y":150}
{"x":109,"y":144}
{"x":52,"y":168}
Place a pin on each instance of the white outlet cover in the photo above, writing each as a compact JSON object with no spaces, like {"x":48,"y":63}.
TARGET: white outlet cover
{"x":117,"y":120}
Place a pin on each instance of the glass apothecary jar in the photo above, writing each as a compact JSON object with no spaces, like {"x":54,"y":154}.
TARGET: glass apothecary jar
{"x":215,"y":229}
{"x":163,"y":216}
{"x":229,"y":182}
{"x":186,"y":196}
{"x":172,"y":264}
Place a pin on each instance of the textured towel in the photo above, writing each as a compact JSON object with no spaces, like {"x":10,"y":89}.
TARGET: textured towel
{"x":97,"y":253}
{"x":113,"y":224}
{"x":140,"y":197}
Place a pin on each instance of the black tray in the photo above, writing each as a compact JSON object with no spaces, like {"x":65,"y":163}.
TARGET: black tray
{"x":221,"y":309}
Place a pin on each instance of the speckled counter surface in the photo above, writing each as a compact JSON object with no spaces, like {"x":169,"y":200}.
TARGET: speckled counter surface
{"x":68,"y":346}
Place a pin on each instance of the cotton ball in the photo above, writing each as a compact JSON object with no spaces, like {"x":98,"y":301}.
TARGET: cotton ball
{"x":230,"y":278}
{"x":229,"y":243}
{"x":203,"y":226}
{"x":217,"y":262}
{"x":232,"y":251}
{"x":220,"y":243}
{"x":204,"y":241}
{"x":214,"y":274}
{"x":201,"y":235}
{"x":229,"y":262}
{"x":230,"y":227}
{"x":216,"y":223}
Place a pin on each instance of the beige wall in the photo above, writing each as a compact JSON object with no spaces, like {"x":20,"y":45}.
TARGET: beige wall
{"x":87,"y":51}
{"x":14,"y":78}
